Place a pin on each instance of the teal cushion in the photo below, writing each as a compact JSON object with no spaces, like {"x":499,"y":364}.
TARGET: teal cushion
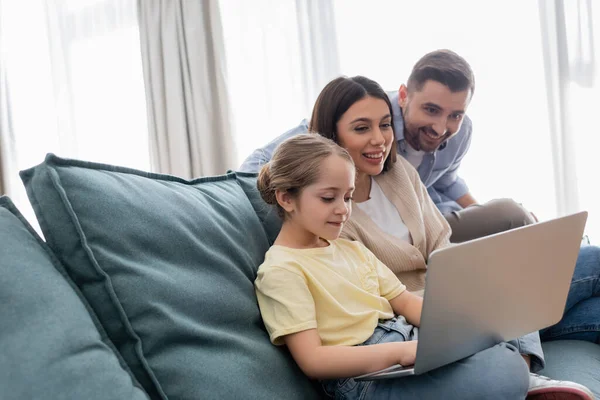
{"x":50,"y":345}
{"x":267,"y":213}
{"x":168,"y":265}
{"x":573,"y":360}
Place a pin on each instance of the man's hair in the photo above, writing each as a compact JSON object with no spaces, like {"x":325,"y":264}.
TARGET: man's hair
{"x":445,"y":67}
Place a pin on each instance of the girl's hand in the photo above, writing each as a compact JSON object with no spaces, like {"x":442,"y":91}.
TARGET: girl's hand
{"x":335,"y":362}
{"x":407,"y":352}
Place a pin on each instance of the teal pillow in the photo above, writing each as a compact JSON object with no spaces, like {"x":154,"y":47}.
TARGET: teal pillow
{"x":168,"y":266}
{"x":50,"y":345}
{"x":267,"y":213}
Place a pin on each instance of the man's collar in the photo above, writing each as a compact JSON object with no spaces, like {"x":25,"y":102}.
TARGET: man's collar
{"x":397,"y":118}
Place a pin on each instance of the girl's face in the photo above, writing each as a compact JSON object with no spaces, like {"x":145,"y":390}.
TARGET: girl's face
{"x":365,"y":130}
{"x":322,"y":208}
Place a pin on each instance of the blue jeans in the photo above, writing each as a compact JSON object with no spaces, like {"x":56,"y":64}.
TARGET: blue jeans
{"x":496,"y":373}
{"x":581,"y":319}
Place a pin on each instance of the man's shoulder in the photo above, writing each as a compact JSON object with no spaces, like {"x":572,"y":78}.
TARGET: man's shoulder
{"x":466,"y":128}
{"x":458,"y":144}
{"x":261,"y":156}
{"x":301,"y":128}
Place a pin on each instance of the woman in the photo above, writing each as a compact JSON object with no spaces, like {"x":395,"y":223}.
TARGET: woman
{"x":393,"y":214}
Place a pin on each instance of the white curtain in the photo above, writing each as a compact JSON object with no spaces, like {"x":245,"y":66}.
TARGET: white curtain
{"x":280,"y":54}
{"x":6,"y":139}
{"x":318,"y":46}
{"x":72,"y":75}
{"x":571,"y":50}
{"x":184,"y":69}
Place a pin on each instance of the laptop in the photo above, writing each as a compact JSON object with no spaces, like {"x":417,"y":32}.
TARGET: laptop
{"x":493,"y":289}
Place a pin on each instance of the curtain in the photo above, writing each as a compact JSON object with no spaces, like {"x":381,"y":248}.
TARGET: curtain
{"x":318,"y":46}
{"x":186,"y":94}
{"x":6,"y":139}
{"x":6,"y":132}
{"x":97,"y":81}
{"x":71,"y":83}
{"x":280,"y":54}
{"x":4,"y":122}
{"x":572,"y":76}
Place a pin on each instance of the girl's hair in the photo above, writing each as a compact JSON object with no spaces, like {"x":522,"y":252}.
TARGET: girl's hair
{"x":337,"y":97}
{"x":295,"y":165}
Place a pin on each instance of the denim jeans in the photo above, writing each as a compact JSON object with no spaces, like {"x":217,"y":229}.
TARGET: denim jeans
{"x":496,"y":373}
{"x":581,"y":319}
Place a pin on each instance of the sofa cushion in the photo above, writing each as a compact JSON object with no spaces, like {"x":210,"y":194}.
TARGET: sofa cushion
{"x":168,"y":265}
{"x":573,"y":360}
{"x":51,"y":347}
{"x":267,"y":213}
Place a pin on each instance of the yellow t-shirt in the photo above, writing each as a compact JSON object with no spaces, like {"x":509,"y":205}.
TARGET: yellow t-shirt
{"x":342,"y":290}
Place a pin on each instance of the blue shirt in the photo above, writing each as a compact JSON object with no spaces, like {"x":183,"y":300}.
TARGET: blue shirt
{"x":438,"y":170}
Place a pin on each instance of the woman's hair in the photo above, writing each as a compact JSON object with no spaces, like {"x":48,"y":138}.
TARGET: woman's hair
{"x":295,"y":165}
{"x":336,"y":98}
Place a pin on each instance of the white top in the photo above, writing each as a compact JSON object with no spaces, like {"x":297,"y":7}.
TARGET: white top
{"x":414,"y":157}
{"x":385,"y":215}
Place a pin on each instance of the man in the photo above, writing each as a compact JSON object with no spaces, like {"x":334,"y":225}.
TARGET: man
{"x":434,"y":133}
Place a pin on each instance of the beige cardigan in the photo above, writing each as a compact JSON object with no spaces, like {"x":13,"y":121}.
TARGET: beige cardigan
{"x":427,"y":226}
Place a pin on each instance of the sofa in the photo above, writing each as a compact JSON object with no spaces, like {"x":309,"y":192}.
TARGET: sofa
{"x":142,"y":288}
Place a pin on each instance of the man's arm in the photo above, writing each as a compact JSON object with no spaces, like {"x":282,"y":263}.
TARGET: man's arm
{"x":450,"y":184}
{"x":466,"y":200}
{"x":260,"y":157}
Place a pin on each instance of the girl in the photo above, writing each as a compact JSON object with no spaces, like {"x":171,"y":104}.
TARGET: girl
{"x":338,"y":309}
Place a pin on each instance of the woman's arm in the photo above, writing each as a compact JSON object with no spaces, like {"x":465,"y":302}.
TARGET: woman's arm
{"x":329,"y":362}
{"x":408,"y":305}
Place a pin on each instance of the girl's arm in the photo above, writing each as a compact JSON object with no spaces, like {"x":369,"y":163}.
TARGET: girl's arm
{"x":329,"y":362}
{"x":408,"y":305}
